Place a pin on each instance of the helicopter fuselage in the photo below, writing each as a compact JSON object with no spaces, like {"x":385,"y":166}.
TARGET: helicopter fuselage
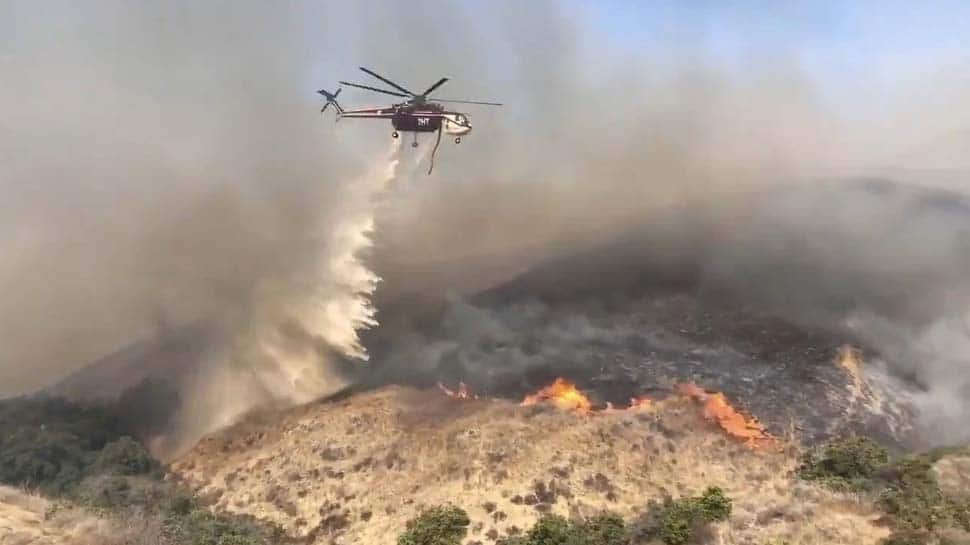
{"x":417,"y":119}
{"x":412,"y":117}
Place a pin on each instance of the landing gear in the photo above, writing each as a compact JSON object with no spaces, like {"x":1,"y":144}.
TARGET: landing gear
{"x":394,"y":134}
{"x":458,"y":140}
{"x":415,"y":143}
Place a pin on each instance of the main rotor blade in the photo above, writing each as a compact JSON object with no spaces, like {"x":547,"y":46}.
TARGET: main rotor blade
{"x":375,"y":89}
{"x":467,"y":102}
{"x":387,"y":81}
{"x":435,"y":86}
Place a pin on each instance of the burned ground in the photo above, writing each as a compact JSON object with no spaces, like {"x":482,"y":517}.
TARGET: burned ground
{"x":786,"y":375}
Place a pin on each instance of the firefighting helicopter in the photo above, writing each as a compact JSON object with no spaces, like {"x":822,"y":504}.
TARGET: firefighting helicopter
{"x":418,"y":113}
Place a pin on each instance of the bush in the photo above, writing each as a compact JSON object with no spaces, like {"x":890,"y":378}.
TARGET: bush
{"x":200,"y":527}
{"x":52,"y":444}
{"x":443,"y":525}
{"x":48,"y":443}
{"x":914,"y":499}
{"x":845,"y":464}
{"x":604,"y":529}
{"x":103,"y":491}
{"x":679,"y":519}
{"x":118,"y":493}
{"x":124,"y":456}
{"x":713,"y":505}
{"x":919,"y":511}
{"x":551,"y":530}
{"x":79,"y":451}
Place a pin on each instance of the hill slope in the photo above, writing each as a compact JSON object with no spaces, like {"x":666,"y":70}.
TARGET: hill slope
{"x":352,"y":471}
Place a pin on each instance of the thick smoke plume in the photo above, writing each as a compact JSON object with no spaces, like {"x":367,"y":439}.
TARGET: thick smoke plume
{"x":163,"y":167}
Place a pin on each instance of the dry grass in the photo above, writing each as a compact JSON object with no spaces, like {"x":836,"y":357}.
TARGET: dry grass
{"x":953,"y":473}
{"x":361,"y":467}
{"x":27,"y":518}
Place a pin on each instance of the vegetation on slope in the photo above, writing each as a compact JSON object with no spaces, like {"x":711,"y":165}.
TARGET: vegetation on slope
{"x":81,"y":455}
{"x":443,"y":525}
{"x":674,"y":522}
{"x":906,"y":489}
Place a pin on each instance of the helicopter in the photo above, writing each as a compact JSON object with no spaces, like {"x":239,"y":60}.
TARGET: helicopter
{"x":417,"y":114}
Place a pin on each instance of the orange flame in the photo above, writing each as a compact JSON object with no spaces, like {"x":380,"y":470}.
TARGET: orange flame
{"x":850,"y":358}
{"x":563,"y":394}
{"x":462,"y":393}
{"x":718,"y":410}
{"x":641,"y":403}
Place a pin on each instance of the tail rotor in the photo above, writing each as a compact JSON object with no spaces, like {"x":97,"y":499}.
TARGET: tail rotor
{"x":331,"y":99}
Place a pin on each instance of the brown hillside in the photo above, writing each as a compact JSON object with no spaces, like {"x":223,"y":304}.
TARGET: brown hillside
{"x":353,"y":471}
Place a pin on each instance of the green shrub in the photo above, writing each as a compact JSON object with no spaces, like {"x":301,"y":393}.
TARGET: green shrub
{"x":713,"y":505}
{"x":845,"y":464}
{"x":124,"y":456}
{"x":913,"y":497}
{"x":118,"y":493}
{"x":675,"y":521}
{"x":49,"y":443}
{"x":443,"y":525}
{"x":604,"y":529}
{"x":919,"y":511}
{"x":200,"y":527}
{"x":551,"y":530}
{"x":79,"y":451}
{"x":103,"y":491}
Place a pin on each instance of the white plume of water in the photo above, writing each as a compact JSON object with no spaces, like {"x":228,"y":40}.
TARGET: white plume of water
{"x":283,"y":355}
{"x":341,"y":305}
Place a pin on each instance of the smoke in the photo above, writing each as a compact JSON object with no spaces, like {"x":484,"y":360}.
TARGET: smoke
{"x":297,"y":331}
{"x":165,"y":174}
{"x":163,"y":166}
{"x":873,"y":262}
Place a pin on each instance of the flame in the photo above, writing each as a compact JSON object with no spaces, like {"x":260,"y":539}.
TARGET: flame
{"x":719,"y":410}
{"x":850,"y":358}
{"x":462,"y":393}
{"x":563,"y":394}
{"x":641,"y":403}
{"x":566,"y":396}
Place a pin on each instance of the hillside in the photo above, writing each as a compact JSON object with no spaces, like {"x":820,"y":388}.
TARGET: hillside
{"x":352,"y":471}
